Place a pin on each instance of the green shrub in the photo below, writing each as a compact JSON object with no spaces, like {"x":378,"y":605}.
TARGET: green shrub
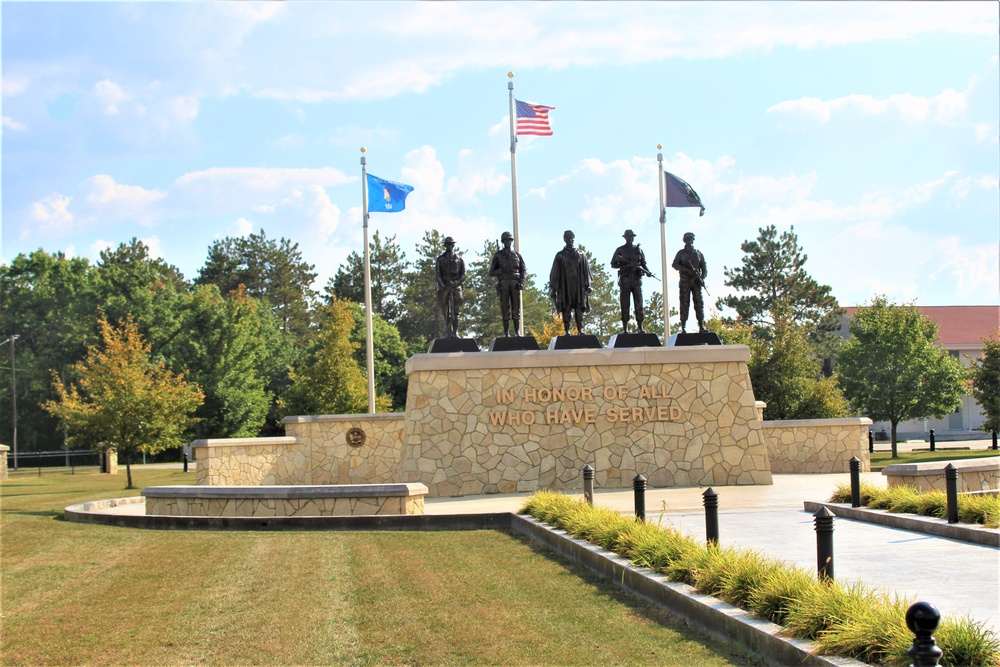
{"x":857,"y":621}
{"x":981,"y":509}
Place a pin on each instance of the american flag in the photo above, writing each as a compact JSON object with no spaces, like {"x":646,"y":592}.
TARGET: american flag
{"x":533,"y":119}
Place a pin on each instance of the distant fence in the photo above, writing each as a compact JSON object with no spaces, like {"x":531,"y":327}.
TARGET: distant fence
{"x":59,"y":460}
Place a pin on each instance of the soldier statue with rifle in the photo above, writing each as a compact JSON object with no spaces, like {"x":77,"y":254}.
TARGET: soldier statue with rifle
{"x":631,"y":264}
{"x":450,"y":274}
{"x":693,"y":270}
{"x":507,"y":267}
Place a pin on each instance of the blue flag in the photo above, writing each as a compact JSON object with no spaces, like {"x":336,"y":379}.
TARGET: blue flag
{"x":386,"y":196}
{"x":680,"y":194}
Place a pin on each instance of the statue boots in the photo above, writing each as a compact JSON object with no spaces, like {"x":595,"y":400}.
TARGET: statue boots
{"x":517,"y":327}
{"x":638,"y":325}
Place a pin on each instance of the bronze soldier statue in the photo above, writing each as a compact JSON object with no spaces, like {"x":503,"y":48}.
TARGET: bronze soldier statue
{"x":507,"y":266}
{"x":569,"y":283}
{"x":693,"y":270}
{"x":450,"y":274}
{"x":631,"y":264}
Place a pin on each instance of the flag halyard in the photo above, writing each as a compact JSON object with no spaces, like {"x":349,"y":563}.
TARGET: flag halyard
{"x":533,"y":119}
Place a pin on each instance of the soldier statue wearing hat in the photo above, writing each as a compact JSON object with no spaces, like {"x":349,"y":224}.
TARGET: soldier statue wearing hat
{"x":631,"y":264}
{"x":690,"y":263}
{"x":507,"y":266}
{"x":450,"y":274}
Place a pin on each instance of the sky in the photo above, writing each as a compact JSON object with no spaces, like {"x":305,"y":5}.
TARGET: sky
{"x":872,"y":128}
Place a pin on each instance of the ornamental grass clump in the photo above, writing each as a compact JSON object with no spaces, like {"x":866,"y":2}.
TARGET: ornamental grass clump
{"x":855,"y":621}
{"x":983,"y":509}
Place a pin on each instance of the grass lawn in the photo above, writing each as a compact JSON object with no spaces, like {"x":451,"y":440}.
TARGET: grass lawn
{"x":882,"y":459}
{"x":84,"y":594}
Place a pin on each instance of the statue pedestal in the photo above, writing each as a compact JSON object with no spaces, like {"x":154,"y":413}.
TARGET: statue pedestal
{"x":439,"y":345}
{"x":684,"y":339}
{"x":579,"y":342}
{"x":512,"y":343}
{"x":635,"y":340}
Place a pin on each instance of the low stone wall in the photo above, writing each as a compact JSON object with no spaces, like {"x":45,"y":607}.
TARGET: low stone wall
{"x":973,"y":474}
{"x":272,"y":501}
{"x":323,"y":449}
{"x":3,"y":461}
{"x":816,"y":445}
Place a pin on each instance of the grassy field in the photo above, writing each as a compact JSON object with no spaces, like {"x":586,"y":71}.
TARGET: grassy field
{"x":86,"y":595}
{"x":882,"y":459}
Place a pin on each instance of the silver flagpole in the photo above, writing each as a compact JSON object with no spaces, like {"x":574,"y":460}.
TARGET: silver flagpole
{"x":369,"y":347}
{"x":513,"y":178}
{"x":663,"y":243}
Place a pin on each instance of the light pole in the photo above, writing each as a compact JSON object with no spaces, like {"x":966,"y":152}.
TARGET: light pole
{"x":13,"y":398}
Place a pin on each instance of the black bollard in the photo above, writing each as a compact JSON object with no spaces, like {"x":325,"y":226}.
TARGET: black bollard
{"x":185,"y":461}
{"x":951,"y":491}
{"x":871,"y":443}
{"x":639,"y":486}
{"x":933,"y":442}
{"x":711,"y":500}
{"x":824,"y":543}
{"x":994,"y":439}
{"x":855,"y":466}
{"x":588,"y":484}
{"x":922,"y":619}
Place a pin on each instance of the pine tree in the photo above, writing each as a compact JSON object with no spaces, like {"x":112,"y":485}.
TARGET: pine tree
{"x":388,"y":270}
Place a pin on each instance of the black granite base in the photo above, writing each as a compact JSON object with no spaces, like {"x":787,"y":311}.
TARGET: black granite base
{"x":635,"y":340}
{"x":683,"y":339}
{"x":439,"y":345}
{"x":580,"y":342}
{"x":513,"y":343}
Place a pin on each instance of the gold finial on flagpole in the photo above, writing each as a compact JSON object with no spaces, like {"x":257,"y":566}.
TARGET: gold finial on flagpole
{"x":362,"y":149}
{"x":658,"y":147}
{"x":510,"y":75}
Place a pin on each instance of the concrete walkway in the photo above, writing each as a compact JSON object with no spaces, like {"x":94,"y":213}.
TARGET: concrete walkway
{"x":957,"y":577}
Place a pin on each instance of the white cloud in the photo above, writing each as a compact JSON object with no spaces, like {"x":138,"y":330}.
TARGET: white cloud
{"x":154,"y":247}
{"x":11,"y":124}
{"x":52,"y":213}
{"x":184,"y":108}
{"x":944,"y":107}
{"x":14,"y":85}
{"x":97,"y":247}
{"x":973,"y":269}
{"x":288,"y":141}
{"x":105,"y":199}
{"x":110,"y":95}
{"x":242,"y":227}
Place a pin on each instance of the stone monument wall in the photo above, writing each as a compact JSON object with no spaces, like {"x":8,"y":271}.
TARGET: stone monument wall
{"x":817,"y":445}
{"x":518,"y":421}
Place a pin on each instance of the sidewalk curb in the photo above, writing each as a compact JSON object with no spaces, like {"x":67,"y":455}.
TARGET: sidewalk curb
{"x":710,"y":615}
{"x":964,"y":532}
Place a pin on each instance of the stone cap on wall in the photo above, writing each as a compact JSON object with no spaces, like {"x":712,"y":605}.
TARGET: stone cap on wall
{"x":937,"y":467}
{"x":245,"y":442}
{"x":629,"y":356}
{"x":368,"y":417}
{"x":4,"y":448}
{"x":286,"y":492}
{"x":792,"y":423}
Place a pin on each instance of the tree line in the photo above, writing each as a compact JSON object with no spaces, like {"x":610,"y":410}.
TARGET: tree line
{"x":255,"y":339}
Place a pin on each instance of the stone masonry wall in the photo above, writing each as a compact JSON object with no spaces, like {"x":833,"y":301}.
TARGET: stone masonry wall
{"x":3,"y":461}
{"x":264,"y":507}
{"x":518,"y":421}
{"x":816,"y":445}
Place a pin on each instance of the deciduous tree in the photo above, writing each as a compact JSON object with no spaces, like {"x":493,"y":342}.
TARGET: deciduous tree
{"x":892,"y":369}
{"x":124,"y":401}
{"x":986,"y":382}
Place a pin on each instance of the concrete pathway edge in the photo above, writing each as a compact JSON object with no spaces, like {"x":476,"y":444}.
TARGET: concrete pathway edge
{"x":964,"y":532}
{"x":708,"y":614}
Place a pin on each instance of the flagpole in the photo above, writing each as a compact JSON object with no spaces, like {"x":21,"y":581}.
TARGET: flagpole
{"x":513,"y":178}
{"x":663,"y":242}
{"x":369,"y":348}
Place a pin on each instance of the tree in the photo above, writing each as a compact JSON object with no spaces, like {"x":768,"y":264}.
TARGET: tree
{"x":605,"y":316}
{"x":481,"y":313}
{"x":123,"y":401}
{"x":892,"y":369}
{"x":986,"y":382}
{"x":390,"y":353}
{"x":222,"y":348}
{"x":132,"y":284}
{"x":421,"y":320}
{"x":332,"y":381}
{"x":388,"y":269}
{"x":270,"y":270}
{"x":549,"y":330}
{"x":787,"y":376}
{"x":776,"y":287}
{"x":49,"y":301}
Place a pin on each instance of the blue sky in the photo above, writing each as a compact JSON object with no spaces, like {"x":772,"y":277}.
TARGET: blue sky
{"x":870,"y":127}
